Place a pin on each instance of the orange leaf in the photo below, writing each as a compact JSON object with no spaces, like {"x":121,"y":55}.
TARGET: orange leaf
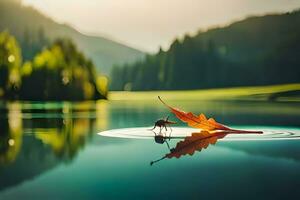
{"x":196,"y":121}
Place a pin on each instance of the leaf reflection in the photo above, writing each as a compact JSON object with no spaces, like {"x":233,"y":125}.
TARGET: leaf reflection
{"x":190,"y":144}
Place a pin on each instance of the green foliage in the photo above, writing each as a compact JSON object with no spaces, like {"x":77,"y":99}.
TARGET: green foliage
{"x":10,"y":61}
{"x":34,"y":30}
{"x":256,"y":51}
{"x":59,"y":72}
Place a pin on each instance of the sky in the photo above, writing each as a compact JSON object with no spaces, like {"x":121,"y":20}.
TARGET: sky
{"x":150,"y":24}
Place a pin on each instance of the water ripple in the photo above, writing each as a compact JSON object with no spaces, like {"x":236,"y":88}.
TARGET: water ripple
{"x":269,"y":133}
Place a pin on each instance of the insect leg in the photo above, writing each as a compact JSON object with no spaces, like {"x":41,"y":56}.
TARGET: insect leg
{"x":168,"y":145}
{"x":170,"y":128}
{"x":170,"y":131}
{"x":152,"y":128}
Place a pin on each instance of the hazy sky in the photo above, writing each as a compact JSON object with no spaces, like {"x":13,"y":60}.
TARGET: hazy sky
{"x":148,"y":24}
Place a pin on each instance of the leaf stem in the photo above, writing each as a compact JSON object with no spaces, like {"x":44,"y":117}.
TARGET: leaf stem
{"x":235,"y":131}
{"x":163,"y":101}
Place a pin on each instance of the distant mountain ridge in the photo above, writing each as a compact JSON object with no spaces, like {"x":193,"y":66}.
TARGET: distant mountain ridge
{"x":105,"y":53}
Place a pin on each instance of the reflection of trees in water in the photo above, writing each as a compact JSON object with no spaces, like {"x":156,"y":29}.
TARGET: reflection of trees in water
{"x":64,"y":135}
{"x":66,"y":140}
{"x":10,"y":133}
{"x":32,"y":141}
{"x":33,"y":159}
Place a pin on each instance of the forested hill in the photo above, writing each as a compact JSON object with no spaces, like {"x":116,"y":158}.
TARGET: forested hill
{"x":31,"y":27}
{"x":256,"y":51}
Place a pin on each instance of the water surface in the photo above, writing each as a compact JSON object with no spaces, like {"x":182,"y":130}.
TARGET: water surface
{"x":53,"y":151}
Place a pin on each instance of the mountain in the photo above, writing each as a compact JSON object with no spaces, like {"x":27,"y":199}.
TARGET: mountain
{"x":22,"y":21}
{"x":259,"y":50}
{"x":255,"y":36}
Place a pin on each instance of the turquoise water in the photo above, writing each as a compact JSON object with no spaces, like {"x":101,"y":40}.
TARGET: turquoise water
{"x":54,"y":151}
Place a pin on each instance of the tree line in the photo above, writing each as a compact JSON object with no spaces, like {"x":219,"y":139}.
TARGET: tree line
{"x":59,"y":71}
{"x":256,"y":51}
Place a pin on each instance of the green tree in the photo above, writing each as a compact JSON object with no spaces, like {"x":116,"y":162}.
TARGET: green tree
{"x":60,"y":72}
{"x":244,"y":53}
{"x":10,"y":61}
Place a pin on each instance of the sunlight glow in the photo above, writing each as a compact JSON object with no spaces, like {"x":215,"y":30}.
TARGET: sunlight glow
{"x":148,"y":24}
{"x":11,"y":58}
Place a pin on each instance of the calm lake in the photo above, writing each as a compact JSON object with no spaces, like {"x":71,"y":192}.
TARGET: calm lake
{"x":53,"y":151}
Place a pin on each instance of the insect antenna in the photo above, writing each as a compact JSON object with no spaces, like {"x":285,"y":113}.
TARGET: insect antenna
{"x":167,"y":118}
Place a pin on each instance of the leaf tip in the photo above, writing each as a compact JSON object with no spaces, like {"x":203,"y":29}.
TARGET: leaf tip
{"x":159,"y":98}
{"x":162,"y":101}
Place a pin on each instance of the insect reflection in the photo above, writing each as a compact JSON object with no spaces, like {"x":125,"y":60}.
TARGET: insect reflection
{"x":161,"y":139}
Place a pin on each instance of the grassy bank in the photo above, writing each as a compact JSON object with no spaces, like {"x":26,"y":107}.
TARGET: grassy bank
{"x":286,"y":92}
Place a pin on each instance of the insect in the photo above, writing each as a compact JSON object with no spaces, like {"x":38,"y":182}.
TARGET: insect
{"x":163,"y":123}
{"x":160,"y":139}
